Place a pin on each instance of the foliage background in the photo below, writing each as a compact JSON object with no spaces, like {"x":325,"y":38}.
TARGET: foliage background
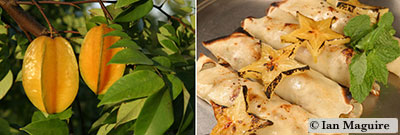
{"x":162,"y":44}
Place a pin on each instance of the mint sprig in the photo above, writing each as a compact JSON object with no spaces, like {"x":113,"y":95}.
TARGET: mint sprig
{"x":375,"y":46}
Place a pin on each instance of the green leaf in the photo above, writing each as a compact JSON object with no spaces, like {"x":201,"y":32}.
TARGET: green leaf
{"x":193,"y":21}
{"x":63,"y":115}
{"x":99,"y":122}
{"x":370,"y":40}
{"x":357,"y":28}
{"x":177,"y":58}
{"x":386,"y":20}
{"x":47,"y":127}
{"x":167,"y":44}
{"x":186,"y":122}
{"x":105,"y":129}
{"x":98,"y":19}
{"x":118,"y":33}
{"x":4,"y":68}
{"x":162,"y":63}
{"x":116,"y":26}
{"x":157,"y":114}
{"x":134,"y":85}
{"x":125,"y":43}
{"x":378,"y":68}
{"x":167,"y":30}
{"x":138,"y":10}
{"x":38,"y":116}
{"x":175,"y":84}
{"x":360,"y":91}
{"x":144,"y":67}
{"x":4,"y":126}
{"x":130,"y":56}
{"x":124,"y":129}
{"x":389,"y":51}
{"x":99,"y":12}
{"x":5,"y":84}
{"x":129,"y":111}
{"x":122,"y":3}
{"x":112,"y":118}
{"x":358,"y":67}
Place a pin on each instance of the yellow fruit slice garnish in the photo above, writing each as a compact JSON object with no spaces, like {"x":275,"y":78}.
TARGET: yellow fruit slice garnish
{"x":273,"y":66}
{"x":235,"y":120}
{"x":357,"y":8}
{"x":314,"y":35}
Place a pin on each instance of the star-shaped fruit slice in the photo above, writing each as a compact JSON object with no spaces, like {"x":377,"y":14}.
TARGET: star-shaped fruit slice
{"x":315,"y":35}
{"x":235,"y":120}
{"x":357,"y":8}
{"x":273,"y":66}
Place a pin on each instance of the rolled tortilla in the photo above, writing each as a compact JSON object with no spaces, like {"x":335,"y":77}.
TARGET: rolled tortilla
{"x":260,"y":115}
{"x":311,"y":90}
{"x":215,"y":82}
{"x":250,"y":50}
{"x":315,"y":9}
{"x":332,"y":62}
{"x":253,"y":113}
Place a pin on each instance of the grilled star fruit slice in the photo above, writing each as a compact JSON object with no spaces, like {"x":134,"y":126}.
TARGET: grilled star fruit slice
{"x":235,"y":120}
{"x":94,"y":58}
{"x":356,"y":8}
{"x":315,"y":35}
{"x":273,"y":66}
{"x":50,"y":74}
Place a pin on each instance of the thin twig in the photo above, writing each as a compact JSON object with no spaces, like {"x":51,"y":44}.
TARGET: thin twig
{"x":180,"y":21}
{"x":158,"y":72}
{"x":162,"y":11}
{"x":49,"y":2}
{"x":45,"y":17}
{"x":162,"y":4}
{"x":172,"y":17}
{"x":106,"y":13}
{"x":91,"y":1}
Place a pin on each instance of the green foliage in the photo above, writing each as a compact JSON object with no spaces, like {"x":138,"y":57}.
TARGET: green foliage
{"x":5,"y":84}
{"x":136,"y":11}
{"x":4,"y":127}
{"x":47,"y":127}
{"x":375,"y":47}
{"x":155,"y":95}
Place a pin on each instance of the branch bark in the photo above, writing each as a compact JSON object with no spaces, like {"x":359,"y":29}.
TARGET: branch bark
{"x":23,"y":19}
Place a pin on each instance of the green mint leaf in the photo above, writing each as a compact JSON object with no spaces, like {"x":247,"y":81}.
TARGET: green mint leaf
{"x":369,"y":41}
{"x":357,"y":28}
{"x":388,"y":50}
{"x":376,"y":46}
{"x":358,"y":68}
{"x":360,"y":91}
{"x":377,"y":67}
{"x":386,"y":20}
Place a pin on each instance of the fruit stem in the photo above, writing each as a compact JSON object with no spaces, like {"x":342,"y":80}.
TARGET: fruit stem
{"x":106,"y":13}
{"x":45,"y":17}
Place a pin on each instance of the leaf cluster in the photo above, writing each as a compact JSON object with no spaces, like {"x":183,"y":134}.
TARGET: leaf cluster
{"x":375,"y":46}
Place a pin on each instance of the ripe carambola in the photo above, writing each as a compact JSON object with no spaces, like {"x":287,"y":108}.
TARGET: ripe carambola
{"x":50,"y":74}
{"x":94,"y":56}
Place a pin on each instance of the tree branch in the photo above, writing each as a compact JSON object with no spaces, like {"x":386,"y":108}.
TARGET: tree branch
{"x":64,"y":3}
{"x":49,"y":2}
{"x":23,"y":19}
